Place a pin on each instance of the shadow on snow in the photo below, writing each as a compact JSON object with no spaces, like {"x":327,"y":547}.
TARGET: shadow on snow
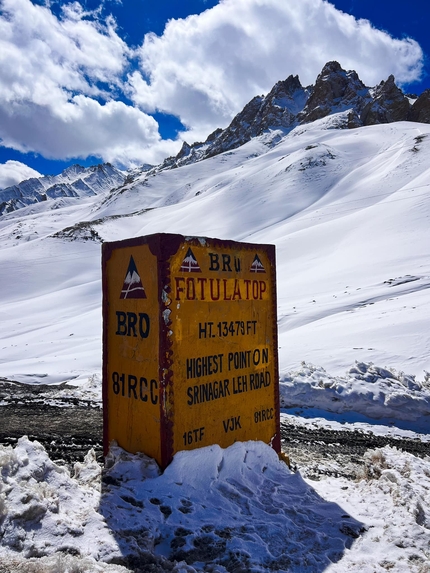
{"x":236,"y":509}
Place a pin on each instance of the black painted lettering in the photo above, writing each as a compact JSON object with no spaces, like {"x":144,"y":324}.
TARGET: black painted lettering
{"x":131,"y":324}
{"x":239,"y":360}
{"x":154,"y":392}
{"x":240,"y":384}
{"x":190,"y":400}
{"x":264,"y":415}
{"x":115,"y":382}
{"x":193,"y":436}
{"x":256,"y":357}
{"x":232,"y":424}
{"x":144,"y":325}
{"x":214,"y":262}
{"x":203,"y":366}
{"x":143,"y":389}
{"x":190,"y":368}
{"x":226,"y":263}
{"x":121,"y":319}
{"x":132,"y":383}
{"x":127,"y":324}
{"x":208,"y":391}
{"x":130,"y":386}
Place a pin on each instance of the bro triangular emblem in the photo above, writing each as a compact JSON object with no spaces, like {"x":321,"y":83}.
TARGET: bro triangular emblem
{"x":190,"y":264}
{"x":132,"y":287}
{"x":257,"y":266}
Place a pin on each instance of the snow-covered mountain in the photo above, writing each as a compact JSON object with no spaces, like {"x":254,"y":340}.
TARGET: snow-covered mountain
{"x":348,"y":210}
{"x":73,"y":182}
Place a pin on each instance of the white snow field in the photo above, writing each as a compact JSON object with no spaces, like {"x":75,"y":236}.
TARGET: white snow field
{"x":349,"y":213}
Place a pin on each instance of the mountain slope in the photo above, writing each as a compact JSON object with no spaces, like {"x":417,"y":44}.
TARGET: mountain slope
{"x":347,"y":209}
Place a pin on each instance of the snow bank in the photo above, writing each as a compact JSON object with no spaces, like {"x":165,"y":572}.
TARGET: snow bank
{"x":237,"y":509}
{"x":376,"y":393}
{"x":44,"y":510}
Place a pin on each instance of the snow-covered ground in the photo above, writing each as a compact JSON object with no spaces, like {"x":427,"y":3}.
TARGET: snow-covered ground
{"x":238,"y":509}
{"x":349,"y":213}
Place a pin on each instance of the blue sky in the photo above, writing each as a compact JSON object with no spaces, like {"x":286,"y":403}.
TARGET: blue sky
{"x":127,"y":81}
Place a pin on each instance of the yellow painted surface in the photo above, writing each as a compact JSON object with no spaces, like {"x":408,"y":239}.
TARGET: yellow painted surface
{"x":222,"y":332}
{"x":133,"y":399}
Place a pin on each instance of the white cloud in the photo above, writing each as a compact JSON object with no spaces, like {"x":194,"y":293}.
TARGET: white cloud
{"x":81,"y":127}
{"x":13,"y":172}
{"x":206,"y":67}
{"x":58,"y":77}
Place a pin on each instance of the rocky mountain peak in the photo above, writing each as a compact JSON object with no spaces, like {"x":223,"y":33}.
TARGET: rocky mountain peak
{"x":335,"y":90}
{"x":288,"y":94}
{"x":73,"y":170}
{"x":289,"y":104}
{"x":388,"y":104}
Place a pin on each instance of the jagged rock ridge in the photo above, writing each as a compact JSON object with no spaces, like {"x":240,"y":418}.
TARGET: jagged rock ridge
{"x":75,"y":181}
{"x":289,"y":104}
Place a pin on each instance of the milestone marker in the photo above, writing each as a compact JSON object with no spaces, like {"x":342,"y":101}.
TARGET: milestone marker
{"x":189,"y":344}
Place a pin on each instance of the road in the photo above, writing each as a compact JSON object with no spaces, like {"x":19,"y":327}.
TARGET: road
{"x":69,"y":427}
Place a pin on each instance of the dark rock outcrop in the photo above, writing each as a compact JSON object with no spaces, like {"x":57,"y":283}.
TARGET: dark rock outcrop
{"x":279,"y":108}
{"x":335,"y":90}
{"x":420,"y":110}
{"x":388,"y":104}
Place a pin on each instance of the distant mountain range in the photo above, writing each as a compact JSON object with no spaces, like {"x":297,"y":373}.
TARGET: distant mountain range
{"x":286,"y":106}
{"x":73,"y":182}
